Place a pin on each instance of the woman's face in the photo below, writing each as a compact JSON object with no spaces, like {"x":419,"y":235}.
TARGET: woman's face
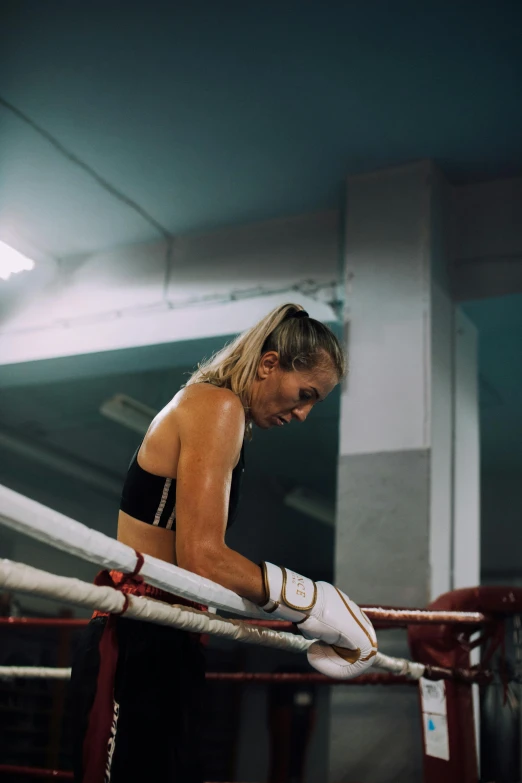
{"x":278,"y":396}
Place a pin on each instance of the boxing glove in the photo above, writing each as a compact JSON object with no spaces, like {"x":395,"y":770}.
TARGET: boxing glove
{"x":346,"y":642}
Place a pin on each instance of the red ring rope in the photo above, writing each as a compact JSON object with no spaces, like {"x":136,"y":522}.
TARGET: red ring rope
{"x":380,"y":616}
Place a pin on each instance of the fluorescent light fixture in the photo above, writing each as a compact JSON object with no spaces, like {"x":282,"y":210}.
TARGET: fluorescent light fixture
{"x":312,"y":505}
{"x":12,"y":262}
{"x":128,"y":412}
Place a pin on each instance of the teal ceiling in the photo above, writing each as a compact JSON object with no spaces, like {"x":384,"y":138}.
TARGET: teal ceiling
{"x":207,"y":113}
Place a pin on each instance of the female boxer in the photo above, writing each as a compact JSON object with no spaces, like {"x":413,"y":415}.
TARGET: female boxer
{"x":136,"y":687}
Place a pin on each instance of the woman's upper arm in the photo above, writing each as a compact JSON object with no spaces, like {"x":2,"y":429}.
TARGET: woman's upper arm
{"x":211,"y":428}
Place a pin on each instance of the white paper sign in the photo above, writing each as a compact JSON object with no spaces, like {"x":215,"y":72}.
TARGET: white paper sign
{"x":433,"y":696}
{"x":434,"y":718}
{"x":436,"y":740}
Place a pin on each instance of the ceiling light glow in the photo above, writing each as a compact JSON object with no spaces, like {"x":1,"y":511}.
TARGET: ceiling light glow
{"x":12,"y":262}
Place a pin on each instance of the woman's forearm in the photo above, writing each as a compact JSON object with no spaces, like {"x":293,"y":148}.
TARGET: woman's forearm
{"x":229,"y":569}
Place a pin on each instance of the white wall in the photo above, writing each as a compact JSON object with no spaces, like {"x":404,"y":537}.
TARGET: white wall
{"x":387,"y":274}
{"x":441,"y":425}
{"x":466,"y":488}
{"x":442,"y":329}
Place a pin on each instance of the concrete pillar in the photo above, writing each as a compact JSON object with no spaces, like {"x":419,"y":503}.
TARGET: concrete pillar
{"x":409,"y":435}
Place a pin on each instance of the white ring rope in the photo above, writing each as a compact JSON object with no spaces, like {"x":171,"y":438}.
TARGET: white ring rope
{"x":44,"y":524}
{"x":34,"y":673}
{"x":57,"y":673}
{"x":400,"y":666}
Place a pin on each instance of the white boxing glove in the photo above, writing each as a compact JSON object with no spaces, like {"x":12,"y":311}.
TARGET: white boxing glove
{"x":346,"y":644}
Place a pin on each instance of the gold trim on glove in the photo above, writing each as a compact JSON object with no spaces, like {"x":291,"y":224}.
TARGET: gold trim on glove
{"x":361,"y":626}
{"x":352,"y":656}
{"x":266,"y":586}
{"x":292,"y":606}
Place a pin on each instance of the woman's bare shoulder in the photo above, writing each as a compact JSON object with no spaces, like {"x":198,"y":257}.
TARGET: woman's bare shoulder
{"x":206,"y":394}
{"x":204,"y":402}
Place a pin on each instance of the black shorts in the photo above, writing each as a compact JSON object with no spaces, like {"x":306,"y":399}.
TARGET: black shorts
{"x":157,"y":703}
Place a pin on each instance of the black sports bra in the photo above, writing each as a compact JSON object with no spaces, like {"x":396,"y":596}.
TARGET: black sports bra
{"x":152,"y":499}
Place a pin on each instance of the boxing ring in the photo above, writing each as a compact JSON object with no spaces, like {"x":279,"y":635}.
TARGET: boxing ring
{"x":440,"y":636}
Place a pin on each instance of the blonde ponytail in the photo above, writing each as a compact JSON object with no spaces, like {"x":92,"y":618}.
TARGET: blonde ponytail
{"x":301,"y":343}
